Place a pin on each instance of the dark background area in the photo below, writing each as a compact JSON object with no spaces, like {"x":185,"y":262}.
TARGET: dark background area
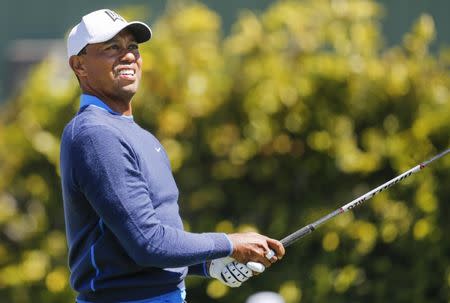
{"x":49,"y":20}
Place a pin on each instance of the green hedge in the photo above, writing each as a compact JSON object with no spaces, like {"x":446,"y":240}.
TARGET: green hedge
{"x":299,"y":110}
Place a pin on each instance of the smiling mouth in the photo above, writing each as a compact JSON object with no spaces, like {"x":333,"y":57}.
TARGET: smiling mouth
{"x":126,"y":72}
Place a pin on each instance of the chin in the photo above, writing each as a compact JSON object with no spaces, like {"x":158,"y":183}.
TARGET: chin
{"x":128,"y":90}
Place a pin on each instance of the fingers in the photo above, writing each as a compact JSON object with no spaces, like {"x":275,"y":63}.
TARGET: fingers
{"x":270,"y":255}
{"x":219,"y":269}
{"x":277,"y":247}
{"x":229,"y":279}
{"x":256,"y":267}
{"x":264,"y":262}
{"x":273,"y":259}
{"x":234,"y":274}
{"x":230,"y":273}
{"x":254,"y":247}
{"x":244,"y":270}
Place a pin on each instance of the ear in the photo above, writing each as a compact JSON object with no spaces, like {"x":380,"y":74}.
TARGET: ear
{"x":78,"y":66}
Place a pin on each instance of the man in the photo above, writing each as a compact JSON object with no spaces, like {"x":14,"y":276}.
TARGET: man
{"x":125,"y":235}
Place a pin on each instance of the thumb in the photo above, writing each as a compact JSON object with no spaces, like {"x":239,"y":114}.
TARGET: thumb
{"x":256,"y":267}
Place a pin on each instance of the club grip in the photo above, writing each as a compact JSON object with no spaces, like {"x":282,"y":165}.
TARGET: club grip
{"x":288,"y":240}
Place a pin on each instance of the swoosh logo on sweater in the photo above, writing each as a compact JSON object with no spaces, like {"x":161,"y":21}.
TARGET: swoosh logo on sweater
{"x":158,"y":149}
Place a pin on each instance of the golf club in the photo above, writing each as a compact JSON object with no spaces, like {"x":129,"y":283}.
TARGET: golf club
{"x":295,"y":236}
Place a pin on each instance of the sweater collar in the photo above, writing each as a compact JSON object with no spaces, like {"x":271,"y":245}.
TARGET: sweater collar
{"x":87,"y":100}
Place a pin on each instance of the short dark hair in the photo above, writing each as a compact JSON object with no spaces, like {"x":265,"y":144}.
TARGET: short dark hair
{"x":82,"y":51}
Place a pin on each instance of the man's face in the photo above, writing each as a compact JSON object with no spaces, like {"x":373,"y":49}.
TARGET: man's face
{"x":113,"y":68}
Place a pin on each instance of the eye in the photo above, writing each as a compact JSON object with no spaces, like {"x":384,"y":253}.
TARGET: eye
{"x":133,"y":46}
{"x":113,"y":46}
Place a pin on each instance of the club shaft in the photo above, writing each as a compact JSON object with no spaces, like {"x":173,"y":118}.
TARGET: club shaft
{"x":290,"y":239}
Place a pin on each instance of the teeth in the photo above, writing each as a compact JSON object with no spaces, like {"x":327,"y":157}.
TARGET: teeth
{"x":127,"y":72}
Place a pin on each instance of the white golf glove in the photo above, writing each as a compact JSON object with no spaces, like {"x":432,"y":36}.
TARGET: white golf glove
{"x":229,"y":271}
{"x":259,"y":267}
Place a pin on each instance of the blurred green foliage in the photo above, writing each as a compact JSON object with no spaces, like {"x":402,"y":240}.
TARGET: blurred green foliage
{"x":297,"y":111}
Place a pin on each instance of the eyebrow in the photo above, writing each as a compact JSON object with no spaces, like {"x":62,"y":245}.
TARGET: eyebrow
{"x":114,"y":39}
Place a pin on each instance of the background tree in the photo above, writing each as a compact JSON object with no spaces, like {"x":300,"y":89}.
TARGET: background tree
{"x":298,"y":110}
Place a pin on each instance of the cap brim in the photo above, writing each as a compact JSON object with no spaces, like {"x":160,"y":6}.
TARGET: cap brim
{"x":141,"y":31}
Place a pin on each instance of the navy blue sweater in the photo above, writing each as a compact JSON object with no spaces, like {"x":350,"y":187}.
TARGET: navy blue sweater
{"x":125,"y":235}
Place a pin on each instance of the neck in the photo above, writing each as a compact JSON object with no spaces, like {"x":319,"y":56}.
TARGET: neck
{"x":121,"y":105}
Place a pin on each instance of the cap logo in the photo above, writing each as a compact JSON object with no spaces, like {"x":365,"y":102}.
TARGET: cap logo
{"x":114,"y":16}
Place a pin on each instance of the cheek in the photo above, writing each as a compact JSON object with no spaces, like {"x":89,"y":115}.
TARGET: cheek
{"x":100,"y":69}
{"x":139,"y":69}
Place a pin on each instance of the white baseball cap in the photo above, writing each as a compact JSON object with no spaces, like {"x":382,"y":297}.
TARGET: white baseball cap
{"x":100,"y":26}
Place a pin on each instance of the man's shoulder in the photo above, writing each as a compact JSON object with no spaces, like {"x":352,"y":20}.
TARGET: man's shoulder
{"x":89,"y":123}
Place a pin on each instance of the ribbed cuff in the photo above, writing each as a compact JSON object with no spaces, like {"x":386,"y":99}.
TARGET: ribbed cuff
{"x":222,"y":246}
{"x":205,"y":270}
{"x":231,"y":245}
{"x":199,"y":270}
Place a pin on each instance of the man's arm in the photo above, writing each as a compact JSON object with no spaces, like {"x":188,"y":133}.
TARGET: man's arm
{"x":107,"y":172}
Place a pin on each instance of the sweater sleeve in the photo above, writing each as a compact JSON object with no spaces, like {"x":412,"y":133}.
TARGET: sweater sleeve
{"x":107,"y":172}
{"x":198,"y":270}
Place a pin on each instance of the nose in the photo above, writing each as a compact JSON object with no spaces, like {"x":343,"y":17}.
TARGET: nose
{"x":129,"y":56}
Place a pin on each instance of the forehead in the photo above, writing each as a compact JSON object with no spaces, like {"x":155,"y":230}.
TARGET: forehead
{"x":124,"y":34}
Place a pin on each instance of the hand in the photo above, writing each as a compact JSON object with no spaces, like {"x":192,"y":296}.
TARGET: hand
{"x":254,"y":247}
{"x":258,"y":267}
{"x":229,"y":272}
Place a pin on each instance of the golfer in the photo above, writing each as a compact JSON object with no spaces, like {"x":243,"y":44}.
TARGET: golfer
{"x":125,"y":235}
